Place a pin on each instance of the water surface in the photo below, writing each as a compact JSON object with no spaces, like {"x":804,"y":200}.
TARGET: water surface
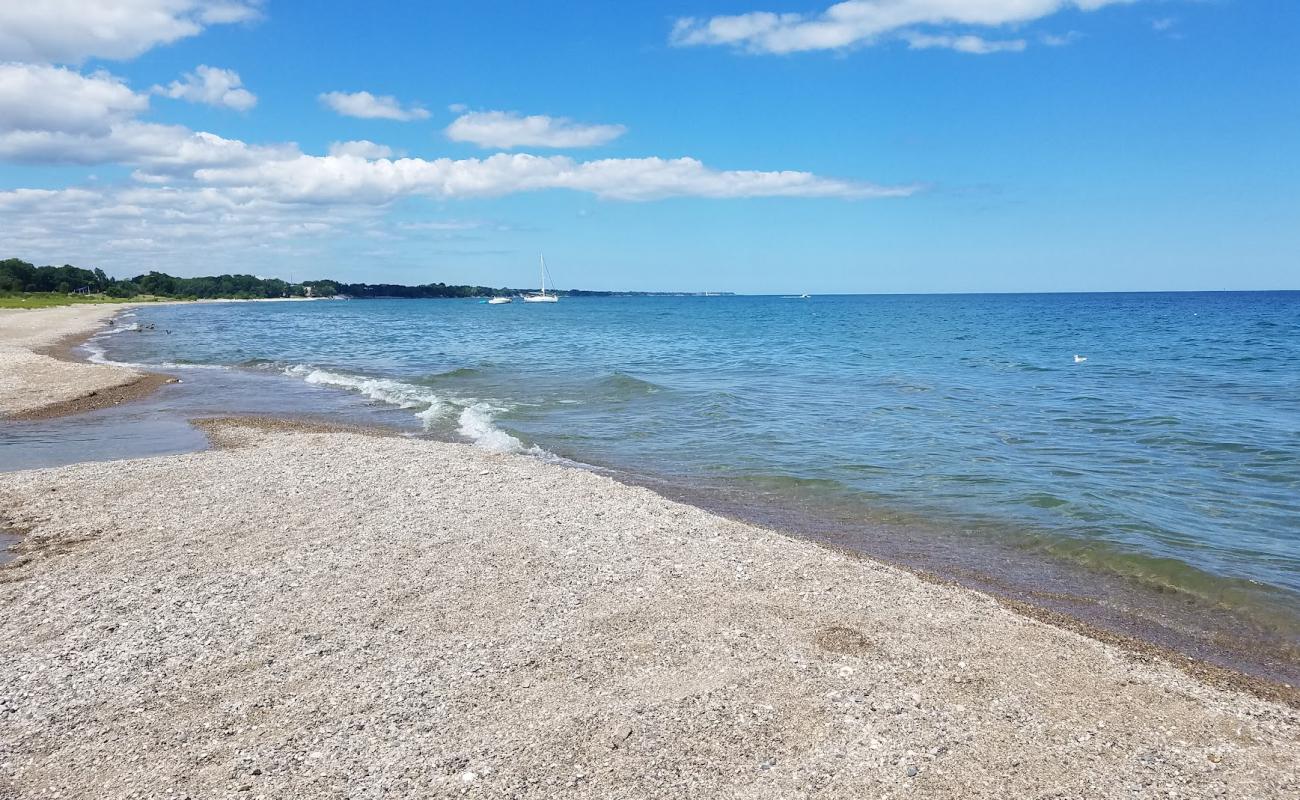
{"x":1169,"y":458}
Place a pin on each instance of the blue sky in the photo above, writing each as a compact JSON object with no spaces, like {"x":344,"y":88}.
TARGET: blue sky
{"x":874,"y":146}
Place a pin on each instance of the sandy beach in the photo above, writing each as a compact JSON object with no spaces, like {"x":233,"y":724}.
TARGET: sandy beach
{"x":39,"y":379}
{"x":306,"y":611}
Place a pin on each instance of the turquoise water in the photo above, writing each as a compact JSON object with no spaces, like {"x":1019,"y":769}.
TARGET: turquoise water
{"x":1171,"y":454}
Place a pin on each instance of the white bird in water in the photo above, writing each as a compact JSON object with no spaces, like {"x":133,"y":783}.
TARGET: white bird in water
{"x":1078,"y":359}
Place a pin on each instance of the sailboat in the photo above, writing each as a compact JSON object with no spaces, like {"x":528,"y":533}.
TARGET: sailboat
{"x":542,"y":296}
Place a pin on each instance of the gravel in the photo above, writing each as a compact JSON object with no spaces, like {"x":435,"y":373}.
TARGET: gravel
{"x":30,"y":380}
{"x":310,"y":613}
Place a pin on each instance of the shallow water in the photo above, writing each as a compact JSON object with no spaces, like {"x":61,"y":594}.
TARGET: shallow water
{"x":1169,"y":458}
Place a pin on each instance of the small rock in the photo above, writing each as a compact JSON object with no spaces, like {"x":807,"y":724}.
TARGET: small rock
{"x":621,"y":734}
{"x":468,"y":777}
{"x":911,"y":772}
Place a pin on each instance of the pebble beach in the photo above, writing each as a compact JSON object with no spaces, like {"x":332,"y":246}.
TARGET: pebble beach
{"x":316,"y":611}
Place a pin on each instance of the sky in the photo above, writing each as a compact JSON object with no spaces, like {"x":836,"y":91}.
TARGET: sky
{"x":755,"y":146}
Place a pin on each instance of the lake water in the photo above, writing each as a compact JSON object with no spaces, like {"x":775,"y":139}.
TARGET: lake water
{"x":1168,"y":459}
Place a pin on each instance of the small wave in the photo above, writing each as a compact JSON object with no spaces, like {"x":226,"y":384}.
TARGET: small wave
{"x":622,"y":385}
{"x":475,"y":420}
{"x":385,"y":390}
{"x":476,"y":425}
{"x":259,"y":363}
{"x":462,"y":372}
{"x":96,"y":354}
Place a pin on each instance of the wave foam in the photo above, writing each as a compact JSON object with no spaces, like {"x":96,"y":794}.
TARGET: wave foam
{"x":475,"y":420}
{"x":476,"y":425}
{"x":385,"y":390}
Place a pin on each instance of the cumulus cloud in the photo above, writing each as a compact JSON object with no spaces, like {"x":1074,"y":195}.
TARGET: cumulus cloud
{"x":327,"y":179}
{"x":361,"y":148}
{"x":137,"y":228}
{"x":157,"y":149}
{"x":864,"y":22}
{"x":59,"y":116}
{"x":368,"y":106}
{"x":71,"y":31}
{"x":506,"y":129}
{"x":194,"y":194}
{"x":56,"y":115}
{"x":211,"y":86}
{"x":43,"y":98}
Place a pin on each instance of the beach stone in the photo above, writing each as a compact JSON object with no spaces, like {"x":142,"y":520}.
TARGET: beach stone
{"x":438,"y":593}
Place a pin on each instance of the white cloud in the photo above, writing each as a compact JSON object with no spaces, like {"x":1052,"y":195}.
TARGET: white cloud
{"x":44,"y":98}
{"x":70,"y":31}
{"x":368,"y":106}
{"x":334,"y":179}
{"x":211,"y":86}
{"x":157,"y":149}
{"x":861,"y":22}
{"x":506,"y":129}
{"x":963,"y":44}
{"x":361,"y":148}
{"x":56,"y":115}
{"x":134,"y":229}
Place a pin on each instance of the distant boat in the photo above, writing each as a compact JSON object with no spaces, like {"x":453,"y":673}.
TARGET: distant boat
{"x":542,"y":296}
{"x":1078,"y":359}
{"x":496,"y":301}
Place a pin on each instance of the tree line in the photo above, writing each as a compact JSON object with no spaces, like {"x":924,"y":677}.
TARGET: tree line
{"x":17,"y":276}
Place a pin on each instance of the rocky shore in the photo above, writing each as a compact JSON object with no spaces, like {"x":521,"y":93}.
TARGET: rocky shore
{"x":316,"y":613}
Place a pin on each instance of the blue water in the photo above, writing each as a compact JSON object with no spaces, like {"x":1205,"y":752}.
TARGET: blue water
{"x":1172,"y":454}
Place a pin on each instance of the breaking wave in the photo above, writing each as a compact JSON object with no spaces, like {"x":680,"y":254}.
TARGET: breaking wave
{"x":474,"y":418}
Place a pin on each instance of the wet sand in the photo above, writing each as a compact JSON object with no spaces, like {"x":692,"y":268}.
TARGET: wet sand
{"x":40,"y":379}
{"x":315,"y":611}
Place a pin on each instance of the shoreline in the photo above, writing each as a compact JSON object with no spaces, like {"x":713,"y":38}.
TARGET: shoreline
{"x":47,"y":379}
{"x":82,"y":386}
{"x":1230,"y":673}
{"x":1217,"y":674}
{"x":312,"y":609}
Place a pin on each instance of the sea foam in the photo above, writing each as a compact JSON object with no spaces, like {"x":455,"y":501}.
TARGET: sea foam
{"x":475,"y":418}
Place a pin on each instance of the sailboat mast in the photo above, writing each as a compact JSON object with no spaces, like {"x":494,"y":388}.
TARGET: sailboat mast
{"x":542,"y":259}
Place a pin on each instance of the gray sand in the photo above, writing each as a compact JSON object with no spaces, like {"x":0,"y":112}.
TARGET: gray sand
{"x":341,"y":615}
{"x":30,"y":380}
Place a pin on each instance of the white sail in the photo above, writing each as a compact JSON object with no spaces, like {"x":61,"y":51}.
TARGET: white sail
{"x":542,"y":296}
